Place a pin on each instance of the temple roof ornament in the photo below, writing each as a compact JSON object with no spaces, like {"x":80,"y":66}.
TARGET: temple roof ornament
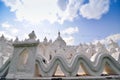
{"x":100,"y":48}
{"x":32,"y":35}
{"x":16,"y":40}
{"x":99,"y":44}
{"x":2,"y":36}
{"x":113,"y":44}
{"x":45,"y":39}
{"x":59,"y":37}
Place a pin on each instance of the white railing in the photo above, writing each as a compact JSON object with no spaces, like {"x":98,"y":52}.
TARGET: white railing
{"x":103,"y":61}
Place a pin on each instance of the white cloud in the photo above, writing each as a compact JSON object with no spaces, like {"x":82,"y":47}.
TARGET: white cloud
{"x":70,"y":30}
{"x":68,"y":34}
{"x":36,"y":11}
{"x":69,"y":40}
{"x":14,"y":30}
{"x":71,"y":11}
{"x":114,"y":37}
{"x":5,"y":25}
{"x":10,"y":29}
{"x":95,"y":9}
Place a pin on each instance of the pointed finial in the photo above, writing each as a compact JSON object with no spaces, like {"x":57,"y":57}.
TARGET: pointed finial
{"x":2,"y":36}
{"x":16,"y":40}
{"x":59,"y":33}
{"x":45,"y":39}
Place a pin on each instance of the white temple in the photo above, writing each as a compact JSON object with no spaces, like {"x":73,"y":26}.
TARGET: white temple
{"x":31,"y":58}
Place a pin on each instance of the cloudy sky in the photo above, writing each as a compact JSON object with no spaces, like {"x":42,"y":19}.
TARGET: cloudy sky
{"x":79,"y":21}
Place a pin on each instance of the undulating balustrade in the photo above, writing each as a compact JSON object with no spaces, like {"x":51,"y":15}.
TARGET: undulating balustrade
{"x":96,"y":68}
{"x":4,"y":68}
{"x":103,"y":61}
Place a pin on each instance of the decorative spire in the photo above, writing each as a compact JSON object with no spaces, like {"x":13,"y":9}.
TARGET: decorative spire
{"x":2,"y":36}
{"x":59,"y":33}
{"x":59,"y":41}
{"x":45,"y":39}
{"x":113,"y":44}
{"x":59,"y":37}
{"x":16,"y":40}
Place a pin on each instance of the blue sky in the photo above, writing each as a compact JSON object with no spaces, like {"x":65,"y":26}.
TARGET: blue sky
{"x":79,"y":21}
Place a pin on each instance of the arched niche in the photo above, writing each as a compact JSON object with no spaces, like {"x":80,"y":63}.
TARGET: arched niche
{"x":22,"y":60}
